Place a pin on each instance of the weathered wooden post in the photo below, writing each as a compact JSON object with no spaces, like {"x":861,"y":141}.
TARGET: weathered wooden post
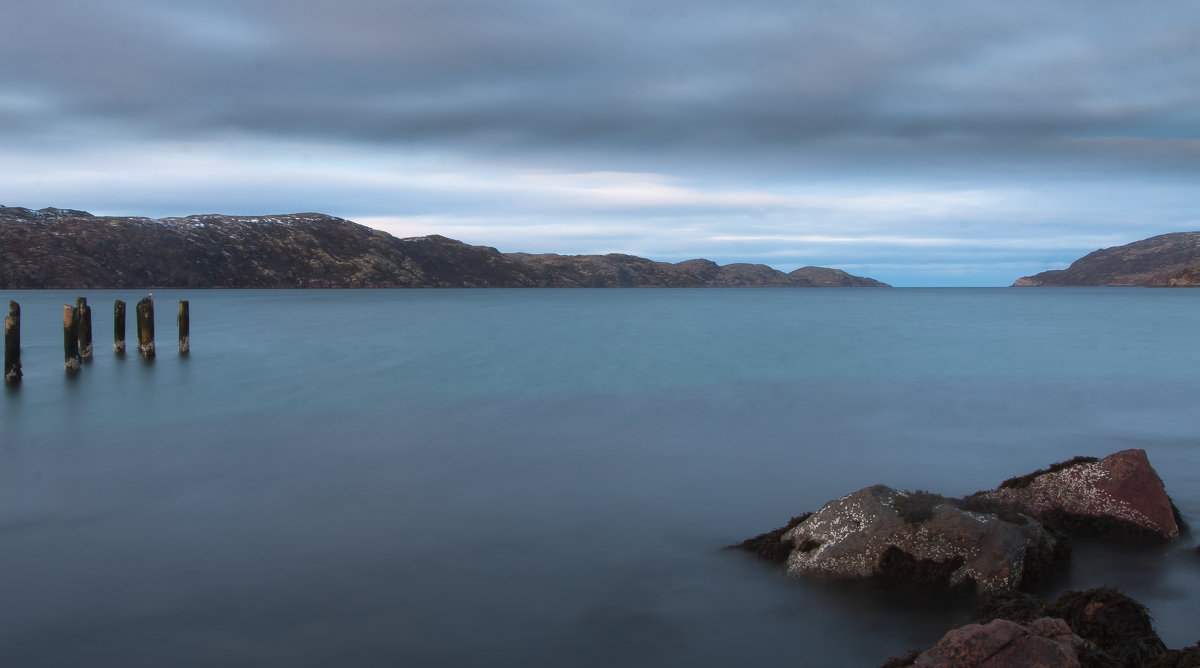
{"x":184,"y":322}
{"x":12,"y":343}
{"x":119,"y":327}
{"x":71,"y":338}
{"x":145,"y":326}
{"x":85,"y":327}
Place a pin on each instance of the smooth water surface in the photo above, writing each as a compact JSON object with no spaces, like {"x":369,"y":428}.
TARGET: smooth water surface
{"x":547,"y":477}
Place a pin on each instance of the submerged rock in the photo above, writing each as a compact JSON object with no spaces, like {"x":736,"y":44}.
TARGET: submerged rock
{"x":1118,"y":496}
{"x":865,"y":535}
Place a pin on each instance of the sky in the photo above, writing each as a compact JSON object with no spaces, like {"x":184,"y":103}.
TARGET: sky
{"x":919,"y":143}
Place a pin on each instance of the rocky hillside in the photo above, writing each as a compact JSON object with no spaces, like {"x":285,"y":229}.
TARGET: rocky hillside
{"x":61,"y":248}
{"x":1168,"y":260}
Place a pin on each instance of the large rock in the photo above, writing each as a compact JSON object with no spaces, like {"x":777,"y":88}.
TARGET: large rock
{"x":866,"y":535}
{"x":1120,"y":494}
{"x":1042,"y":643}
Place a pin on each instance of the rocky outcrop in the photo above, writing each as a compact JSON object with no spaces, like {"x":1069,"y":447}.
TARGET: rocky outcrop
{"x":993,"y":544}
{"x":1015,"y":536}
{"x":1184,"y":278}
{"x":1098,"y":628}
{"x":1045,"y":642}
{"x":771,"y":545}
{"x":1168,"y":260}
{"x":1120,"y":495}
{"x":865,"y":535}
{"x":69,"y":249}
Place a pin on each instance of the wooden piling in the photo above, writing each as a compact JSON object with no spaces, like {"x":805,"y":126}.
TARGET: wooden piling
{"x":85,"y":327}
{"x":119,"y":327}
{"x":12,"y":344}
{"x":145,"y":326}
{"x":184,"y":322}
{"x":71,"y":338}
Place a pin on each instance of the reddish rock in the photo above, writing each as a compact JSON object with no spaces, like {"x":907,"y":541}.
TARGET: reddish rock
{"x":1043,"y":643}
{"x":1121,"y":489}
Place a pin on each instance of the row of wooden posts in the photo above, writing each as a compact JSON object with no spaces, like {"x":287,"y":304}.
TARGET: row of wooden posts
{"x":77,"y":333}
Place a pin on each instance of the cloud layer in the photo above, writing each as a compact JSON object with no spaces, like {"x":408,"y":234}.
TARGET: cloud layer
{"x":917,"y":142}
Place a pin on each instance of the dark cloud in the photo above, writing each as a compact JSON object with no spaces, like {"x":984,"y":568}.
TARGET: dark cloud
{"x":552,"y":74}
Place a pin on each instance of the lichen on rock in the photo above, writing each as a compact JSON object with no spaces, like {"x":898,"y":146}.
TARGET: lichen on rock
{"x":863,"y":535}
{"x":1120,"y":495}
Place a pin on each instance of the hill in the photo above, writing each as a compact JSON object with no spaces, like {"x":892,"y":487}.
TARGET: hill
{"x":68,"y":249}
{"x":1167,"y":260}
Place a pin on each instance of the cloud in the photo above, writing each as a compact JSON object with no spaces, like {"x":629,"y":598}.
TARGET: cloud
{"x":668,"y":128}
{"x":547,"y":74}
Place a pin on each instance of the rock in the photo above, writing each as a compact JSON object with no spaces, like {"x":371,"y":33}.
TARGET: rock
{"x":1184,"y":278}
{"x":1042,"y":643}
{"x":1109,"y":630}
{"x":1167,"y":260}
{"x":1118,"y":496}
{"x":865,"y":535}
{"x":63,"y":248}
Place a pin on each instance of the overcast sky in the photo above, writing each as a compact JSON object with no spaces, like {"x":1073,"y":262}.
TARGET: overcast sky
{"x":919,"y":143}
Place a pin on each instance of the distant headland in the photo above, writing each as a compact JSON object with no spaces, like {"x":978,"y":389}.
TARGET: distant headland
{"x":69,"y":249}
{"x":1167,"y":260}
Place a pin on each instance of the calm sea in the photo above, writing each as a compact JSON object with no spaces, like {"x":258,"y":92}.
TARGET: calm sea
{"x":547,"y":477}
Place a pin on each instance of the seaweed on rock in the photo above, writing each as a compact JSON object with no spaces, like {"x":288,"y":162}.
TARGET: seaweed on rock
{"x":1104,"y":527}
{"x":1188,"y":657}
{"x":1120,"y":626}
{"x":1025,"y":480}
{"x":979,"y":502}
{"x":771,"y":545}
{"x":1049,"y":560}
{"x":905,"y":571}
{"x":1019,"y":607}
{"x":916,"y":507}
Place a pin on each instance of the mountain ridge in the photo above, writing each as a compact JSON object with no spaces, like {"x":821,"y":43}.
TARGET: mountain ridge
{"x":73,"y":249}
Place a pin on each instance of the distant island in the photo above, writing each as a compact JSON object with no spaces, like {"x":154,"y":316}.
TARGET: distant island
{"x":69,"y":249}
{"x":1167,"y":260}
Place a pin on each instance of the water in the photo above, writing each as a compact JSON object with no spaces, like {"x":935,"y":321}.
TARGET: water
{"x":546,"y":477}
